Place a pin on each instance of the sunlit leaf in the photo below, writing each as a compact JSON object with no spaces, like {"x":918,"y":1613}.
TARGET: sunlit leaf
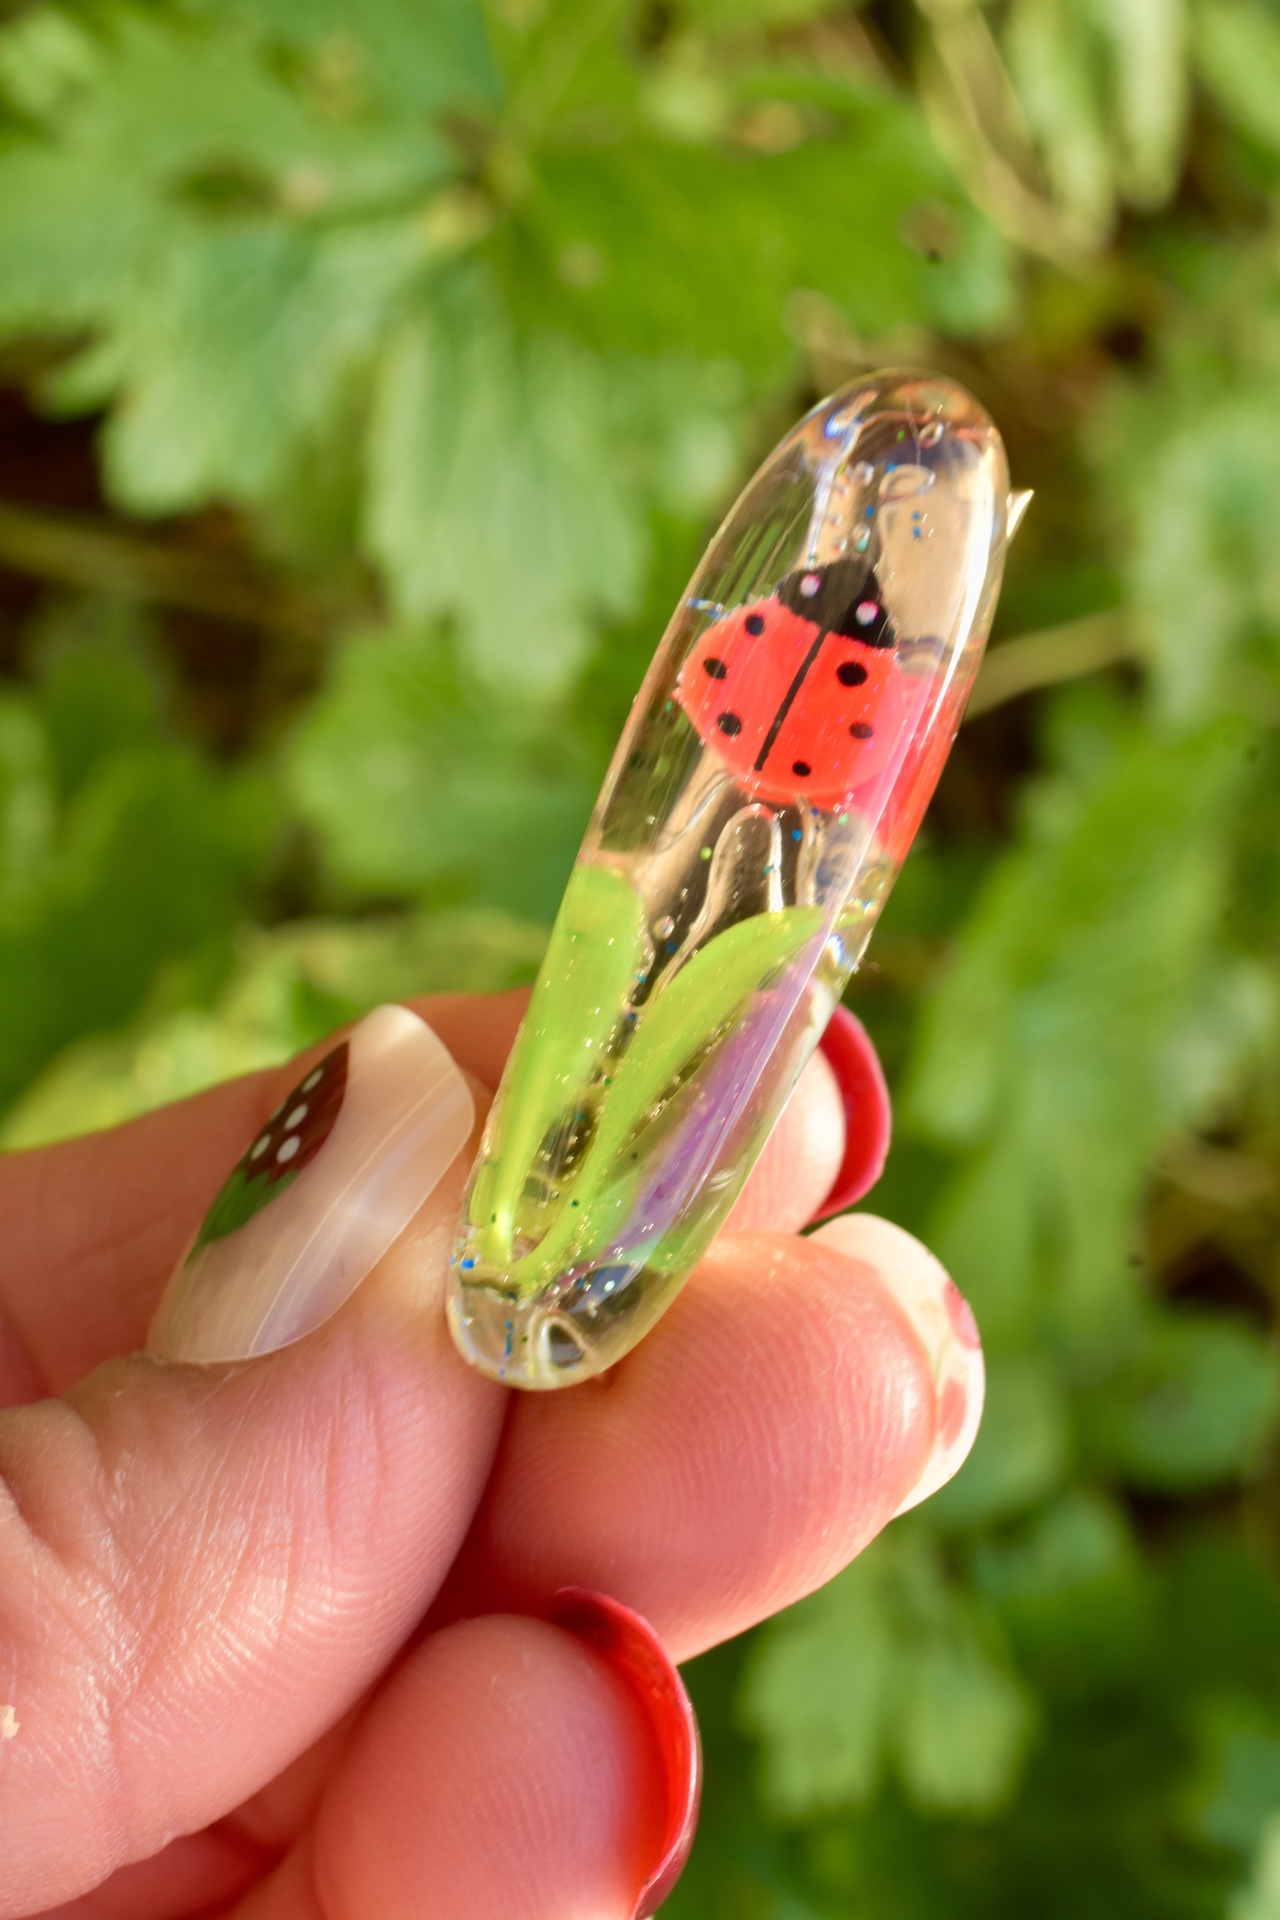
{"x":418,"y":781}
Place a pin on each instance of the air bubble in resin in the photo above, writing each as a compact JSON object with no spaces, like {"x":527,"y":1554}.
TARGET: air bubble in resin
{"x":768,"y":784}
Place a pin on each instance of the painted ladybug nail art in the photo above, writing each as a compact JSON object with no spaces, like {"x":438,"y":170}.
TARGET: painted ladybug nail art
{"x":290,"y":1141}
{"x":319,"y":1194}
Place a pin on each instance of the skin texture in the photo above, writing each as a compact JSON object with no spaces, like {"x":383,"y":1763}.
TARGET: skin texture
{"x":233,"y":1601}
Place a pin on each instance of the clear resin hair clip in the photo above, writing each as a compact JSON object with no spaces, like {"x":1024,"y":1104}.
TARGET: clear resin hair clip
{"x":772,"y":774}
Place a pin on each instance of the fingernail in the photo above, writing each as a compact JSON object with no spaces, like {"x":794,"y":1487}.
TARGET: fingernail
{"x":319,"y":1194}
{"x":945,"y":1324}
{"x":867,"y":1116}
{"x":635,"y":1653}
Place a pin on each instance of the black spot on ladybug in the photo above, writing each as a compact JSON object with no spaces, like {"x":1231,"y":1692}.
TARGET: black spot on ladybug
{"x":861,"y":731}
{"x":754,"y":624}
{"x":716,"y":668}
{"x":846,"y":601}
{"x":729,"y":723}
{"x":801,"y":769}
{"x":850,"y":673}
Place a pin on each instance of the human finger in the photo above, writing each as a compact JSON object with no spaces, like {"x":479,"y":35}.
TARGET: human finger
{"x":201,"y":1569}
{"x":509,"y":1770}
{"x":798,"y":1394}
{"x":90,"y":1228}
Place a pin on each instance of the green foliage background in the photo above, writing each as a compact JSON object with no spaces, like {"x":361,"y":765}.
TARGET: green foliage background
{"x":421,"y":346}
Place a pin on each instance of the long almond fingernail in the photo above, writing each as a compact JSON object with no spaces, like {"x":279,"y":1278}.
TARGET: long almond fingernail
{"x":864,"y":1094}
{"x":941,"y":1317}
{"x":633,"y":1650}
{"x":319,"y":1194}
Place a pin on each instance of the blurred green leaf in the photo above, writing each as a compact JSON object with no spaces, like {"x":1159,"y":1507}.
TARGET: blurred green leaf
{"x":1196,"y":467}
{"x":286,"y":989}
{"x":888,"y":1662}
{"x":964,"y":1722}
{"x":494,"y":494}
{"x":1055,"y":1035}
{"x":420,"y":57}
{"x":418,"y":782}
{"x":480,"y":319}
{"x":818,"y":1694}
{"x":1148,"y":40}
{"x":1261,"y":1899}
{"x":1238,"y":50}
{"x":1051,"y":57}
{"x":1245,"y":1791}
{"x":151,"y":860}
{"x":1189,"y":1408}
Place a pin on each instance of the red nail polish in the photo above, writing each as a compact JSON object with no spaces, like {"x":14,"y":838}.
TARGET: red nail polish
{"x":632,"y":1648}
{"x":867,"y":1118}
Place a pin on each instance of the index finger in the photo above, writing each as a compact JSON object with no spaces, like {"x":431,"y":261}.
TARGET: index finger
{"x":92,"y":1227}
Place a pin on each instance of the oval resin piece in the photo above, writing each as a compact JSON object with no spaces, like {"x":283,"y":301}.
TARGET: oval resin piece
{"x":770,"y":779}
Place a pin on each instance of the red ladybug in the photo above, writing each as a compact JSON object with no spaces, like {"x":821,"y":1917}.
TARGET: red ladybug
{"x":800,"y":694}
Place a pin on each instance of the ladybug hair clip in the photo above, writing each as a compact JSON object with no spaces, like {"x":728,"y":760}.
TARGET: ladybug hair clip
{"x":769,"y":781}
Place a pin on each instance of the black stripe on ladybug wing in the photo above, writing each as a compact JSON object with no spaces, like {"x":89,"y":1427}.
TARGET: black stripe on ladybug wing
{"x":787,"y":700}
{"x":843,"y":597}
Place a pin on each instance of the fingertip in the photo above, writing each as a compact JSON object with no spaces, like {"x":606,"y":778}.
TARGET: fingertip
{"x":944,"y":1324}
{"x":633,"y":1650}
{"x":507,"y":1772}
{"x":760,"y":1437}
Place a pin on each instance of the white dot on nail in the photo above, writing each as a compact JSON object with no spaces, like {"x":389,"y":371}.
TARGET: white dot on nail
{"x":312,"y":1080}
{"x":260,"y":1146}
{"x":296,"y":1118}
{"x":287,"y":1149}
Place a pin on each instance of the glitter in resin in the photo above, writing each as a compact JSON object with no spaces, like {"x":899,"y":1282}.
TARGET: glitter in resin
{"x":767,"y":786}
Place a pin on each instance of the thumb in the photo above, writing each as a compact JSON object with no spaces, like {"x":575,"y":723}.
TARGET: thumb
{"x":199,"y":1570}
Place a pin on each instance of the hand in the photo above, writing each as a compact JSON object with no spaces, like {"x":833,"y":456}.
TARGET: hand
{"x":275,"y":1637}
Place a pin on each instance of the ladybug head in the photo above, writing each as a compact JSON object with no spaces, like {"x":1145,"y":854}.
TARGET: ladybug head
{"x":841,"y":597}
